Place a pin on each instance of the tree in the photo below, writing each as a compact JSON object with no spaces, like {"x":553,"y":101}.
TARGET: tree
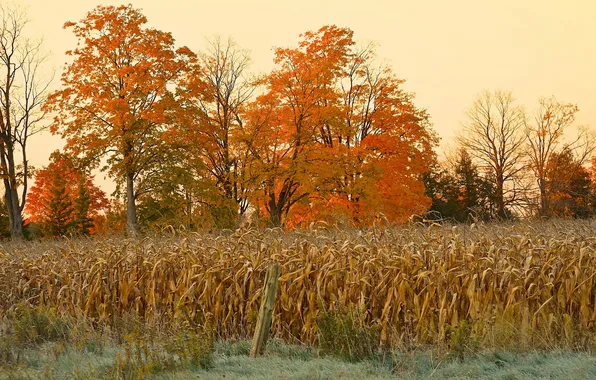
{"x":58,"y":210}
{"x":118,"y":98}
{"x":22,"y":92}
{"x":113,"y":219}
{"x":439,"y":185}
{"x":286,"y":119}
{"x":475,"y":194}
{"x":568,"y":186}
{"x":382,"y":144}
{"x":459,"y":192}
{"x":219,"y":90}
{"x":493,"y":135}
{"x":64,"y":198}
{"x":172,"y":201}
{"x":546,"y":138}
{"x":336,"y":137}
{"x":83,"y":221}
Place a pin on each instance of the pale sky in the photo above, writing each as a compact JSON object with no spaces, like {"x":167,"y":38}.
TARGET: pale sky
{"x":447,"y":51}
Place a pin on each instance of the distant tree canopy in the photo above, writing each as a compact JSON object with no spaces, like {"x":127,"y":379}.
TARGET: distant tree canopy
{"x":509,"y":165}
{"x":195,"y":141}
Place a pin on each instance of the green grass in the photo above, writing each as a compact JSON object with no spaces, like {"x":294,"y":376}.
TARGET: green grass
{"x":283,"y":361}
{"x":537,"y":365}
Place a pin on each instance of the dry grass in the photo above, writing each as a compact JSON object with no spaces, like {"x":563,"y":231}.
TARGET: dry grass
{"x":523,"y":285}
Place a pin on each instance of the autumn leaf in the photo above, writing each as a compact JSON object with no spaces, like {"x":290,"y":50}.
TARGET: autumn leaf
{"x":118,"y":96}
{"x":64,"y":199}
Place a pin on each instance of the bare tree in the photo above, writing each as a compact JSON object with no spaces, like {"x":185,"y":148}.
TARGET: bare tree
{"x":224,"y":90}
{"x":493,"y":135}
{"x":546,"y":137}
{"x":22,"y":92}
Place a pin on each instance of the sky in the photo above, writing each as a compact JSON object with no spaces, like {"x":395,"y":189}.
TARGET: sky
{"x":447,"y":51}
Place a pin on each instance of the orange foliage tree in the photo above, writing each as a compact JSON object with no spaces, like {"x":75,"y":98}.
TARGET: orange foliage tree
{"x":336,"y":136}
{"x":568,"y":186}
{"x":383,"y":143}
{"x":117,"y":100}
{"x":64,"y":199}
{"x":299,"y":102}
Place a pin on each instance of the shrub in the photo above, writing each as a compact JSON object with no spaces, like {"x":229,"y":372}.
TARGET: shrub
{"x":34,"y":325}
{"x":342,"y":334}
{"x":461,"y":340}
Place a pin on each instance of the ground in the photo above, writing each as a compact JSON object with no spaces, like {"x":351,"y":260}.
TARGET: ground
{"x":282,"y":361}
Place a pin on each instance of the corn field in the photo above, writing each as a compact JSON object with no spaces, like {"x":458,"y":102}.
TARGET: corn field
{"x":530,"y":284}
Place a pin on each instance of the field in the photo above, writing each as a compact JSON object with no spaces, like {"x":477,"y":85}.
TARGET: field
{"x":382,"y":299}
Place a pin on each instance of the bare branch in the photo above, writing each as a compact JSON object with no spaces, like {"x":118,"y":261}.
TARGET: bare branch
{"x":493,"y":136}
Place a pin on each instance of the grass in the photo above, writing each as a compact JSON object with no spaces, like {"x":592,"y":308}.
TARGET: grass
{"x":283,"y":361}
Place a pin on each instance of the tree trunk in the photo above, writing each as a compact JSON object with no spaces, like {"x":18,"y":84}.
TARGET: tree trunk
{"x":16,"y":227}
{"x":500,"y":199}
{"x":275,"y":218}
{"x":14,"y":212}
{"x":131,"y":206}
{"x":543,"y":198}
{"x":274,"y":212}
{"x":11,"y":197}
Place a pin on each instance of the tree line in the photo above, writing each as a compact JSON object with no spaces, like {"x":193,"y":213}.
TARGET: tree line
{"x":195,"y":140}
{"x":510,"y":164}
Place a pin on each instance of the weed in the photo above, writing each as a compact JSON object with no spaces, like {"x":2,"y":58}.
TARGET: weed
{"x":34,"y":325}
{"x":461,"y":340}
{"x":342,"y":334}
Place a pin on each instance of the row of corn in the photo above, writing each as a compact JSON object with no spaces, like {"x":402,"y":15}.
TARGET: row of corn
{"x":535,"y":283}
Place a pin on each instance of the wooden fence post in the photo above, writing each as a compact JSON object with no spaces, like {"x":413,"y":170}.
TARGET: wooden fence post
{"x":263,"y":326}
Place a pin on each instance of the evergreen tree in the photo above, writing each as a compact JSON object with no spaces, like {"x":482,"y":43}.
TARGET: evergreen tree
{"x":460,"y":194}
{"x":59,"y":209}
{"x":474,"y":192}
{"x":569,"y":187}
{"x":64,"y":199}
{"x":83,"y":223}
{"x":440,"y":187}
